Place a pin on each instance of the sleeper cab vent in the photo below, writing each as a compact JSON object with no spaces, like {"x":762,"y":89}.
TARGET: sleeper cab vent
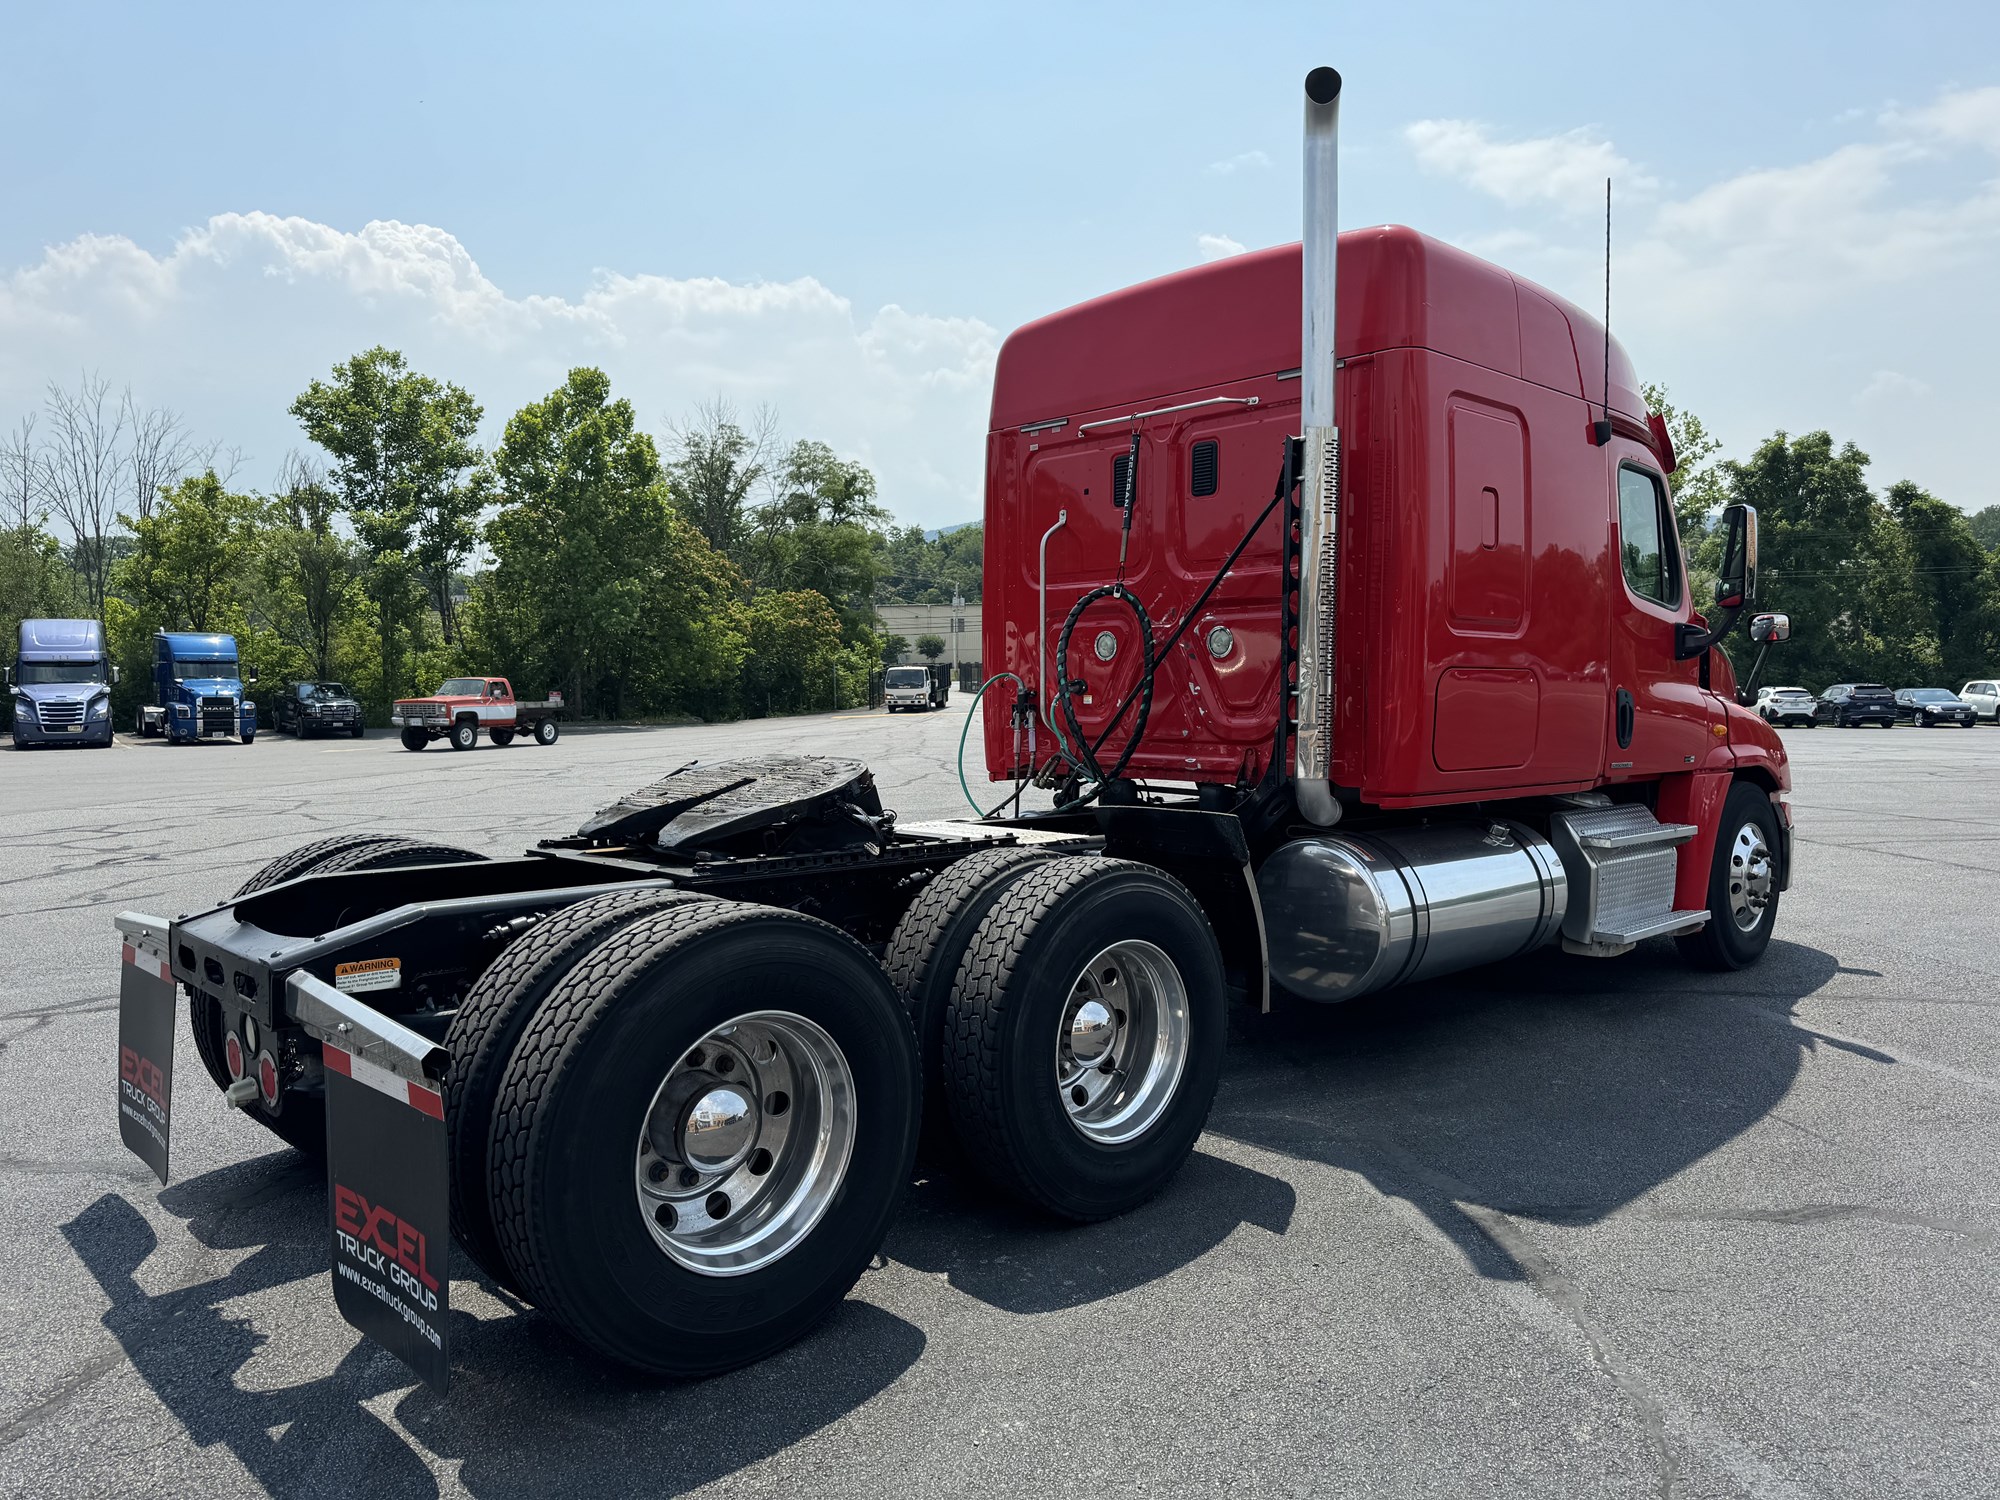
{"x":1206,"y":468}
{"x":1121,"y":472}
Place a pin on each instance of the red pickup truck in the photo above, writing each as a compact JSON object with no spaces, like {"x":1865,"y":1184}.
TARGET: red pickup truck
{"x":463,"y":706}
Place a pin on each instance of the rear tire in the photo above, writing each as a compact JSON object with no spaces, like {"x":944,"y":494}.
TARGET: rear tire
{"x":487,"y":1024}
{"x":501,"y":737}
{"x":929,"y":944}
{"x":585,"y":1097}
{"x":1742,"y":874}
{"x":545,"y":731}
{"x":1085,"y":1035}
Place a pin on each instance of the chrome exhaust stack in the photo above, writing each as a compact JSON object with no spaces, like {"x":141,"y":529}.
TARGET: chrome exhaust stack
{"x":1319,"y":530}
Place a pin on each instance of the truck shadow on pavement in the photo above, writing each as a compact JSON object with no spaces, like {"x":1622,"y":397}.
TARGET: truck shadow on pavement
{"x":1552,"y":1088}
{"x":525,"y":1409}
{"x":954,"y":1225}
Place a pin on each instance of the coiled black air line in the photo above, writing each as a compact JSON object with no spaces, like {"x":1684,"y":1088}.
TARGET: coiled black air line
{"x":1143,"y":689}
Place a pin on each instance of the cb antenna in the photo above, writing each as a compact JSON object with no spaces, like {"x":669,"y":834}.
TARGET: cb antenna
{"x":1600,"y":431}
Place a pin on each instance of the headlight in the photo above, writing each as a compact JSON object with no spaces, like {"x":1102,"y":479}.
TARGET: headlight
{"x":25,"y":706}
{"x":99,"y":707}
{"x":249,"y":707}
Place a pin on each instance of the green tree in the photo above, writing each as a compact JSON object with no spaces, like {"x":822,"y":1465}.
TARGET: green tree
{"x":819,"y":535}
{"x":597,"y":584}
{"x":893,"y":647}
{"x":1986,"y":527}
{"x":1952,"y":580}
{"x":716,"y":463}
{"x":930,"y":647}
{"x":407,"y":472}
{"x":309,"y":572}
{"x":191,"y":557}
{"x":796,"y":662}
{"x":918,"y":569}
{"x":1833,"y":557}
{"x":1699,"y":483}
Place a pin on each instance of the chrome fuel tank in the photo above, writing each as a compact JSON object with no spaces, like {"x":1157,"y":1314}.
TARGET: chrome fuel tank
{"x":1352,"y":913}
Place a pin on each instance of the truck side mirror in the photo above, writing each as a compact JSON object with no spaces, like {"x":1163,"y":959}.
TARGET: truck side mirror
{"x":114,"y":676}
{"x":1736,"y":585}
{"x":1770,"y":629}
{"x":251,"y":677}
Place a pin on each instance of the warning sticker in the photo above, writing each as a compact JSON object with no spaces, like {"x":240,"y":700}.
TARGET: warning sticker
{"x":368,"y":974}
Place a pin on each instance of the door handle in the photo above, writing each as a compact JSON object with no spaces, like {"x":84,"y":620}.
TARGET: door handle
{"x":1626,"y":714}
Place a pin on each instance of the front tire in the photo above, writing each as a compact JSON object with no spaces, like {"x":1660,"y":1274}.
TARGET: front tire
{"x":1085,"y":1035}
{"x":464,"y":735}
{"x":685,"y":1180}
{"x":1742,"y":885}
{"x":415,"y":739}
{"x":501,"y":737}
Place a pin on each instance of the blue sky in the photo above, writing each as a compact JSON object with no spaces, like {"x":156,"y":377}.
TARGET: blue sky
{"x":841,"y":212}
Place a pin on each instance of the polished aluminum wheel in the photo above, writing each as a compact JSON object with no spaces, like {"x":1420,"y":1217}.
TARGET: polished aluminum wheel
{"x":1750,"y":877}
{"x":1123,"y":1043}
{"x":746,"y":1143}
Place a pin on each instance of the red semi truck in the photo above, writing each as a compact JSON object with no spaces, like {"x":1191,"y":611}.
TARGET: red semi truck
{"x":1338,"y":602}
{"x":463,"y":706}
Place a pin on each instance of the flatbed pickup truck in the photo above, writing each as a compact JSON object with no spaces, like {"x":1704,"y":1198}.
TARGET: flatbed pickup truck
{"x":463,"y":706}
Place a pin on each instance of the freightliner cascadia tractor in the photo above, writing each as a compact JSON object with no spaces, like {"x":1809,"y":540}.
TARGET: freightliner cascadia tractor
{"x":1342,"y":625}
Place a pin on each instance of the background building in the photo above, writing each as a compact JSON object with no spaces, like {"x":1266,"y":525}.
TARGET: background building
{"x":957,"y":625}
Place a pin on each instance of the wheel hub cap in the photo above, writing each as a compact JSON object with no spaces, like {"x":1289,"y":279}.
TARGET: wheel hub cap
{"x":746,"y":1143}
{"x":1750,"y":877}
{"x":1123,"y":1042}
{"x":718,"y":1131}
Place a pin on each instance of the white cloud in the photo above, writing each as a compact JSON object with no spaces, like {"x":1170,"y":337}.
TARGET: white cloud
{"x":1566,"y":170}
{"x":1962,"y":116}
{"x":1218,"y":246}
{"x":244,"y":310}
{"x":1891,"y":385}
{"x":1245,"y":161}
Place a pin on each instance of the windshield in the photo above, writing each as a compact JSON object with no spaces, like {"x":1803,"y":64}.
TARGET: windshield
{"x":902,"y":677}
{"x":326,"y":690}
{"x":463,"y":687}
{"x":1932,"y":695}
{"x":205,"y":666}
{"x":59,"y":671}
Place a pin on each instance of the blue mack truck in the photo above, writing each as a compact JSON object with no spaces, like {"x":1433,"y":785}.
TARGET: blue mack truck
{"x":61,"y":683}
{"x":198,"y":692}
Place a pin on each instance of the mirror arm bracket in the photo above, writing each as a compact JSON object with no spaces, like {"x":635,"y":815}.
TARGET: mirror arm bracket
{"x":1691,"y":640}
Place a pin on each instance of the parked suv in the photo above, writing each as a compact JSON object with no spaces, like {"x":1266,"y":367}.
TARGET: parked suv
{"x":1925,"y":707}
{"x":1786,"y":705}
{"x":305,"y":708}
{"x":1984,"y":699}
{"x":1849,"y":705}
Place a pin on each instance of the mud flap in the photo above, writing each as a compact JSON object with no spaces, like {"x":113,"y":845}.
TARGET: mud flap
{"x":146,"y":1013}
{"x":389,"y":1210}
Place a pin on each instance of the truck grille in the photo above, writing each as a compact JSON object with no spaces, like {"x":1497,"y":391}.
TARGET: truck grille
{"x":59,"y":715}
{"x":218,"y":715}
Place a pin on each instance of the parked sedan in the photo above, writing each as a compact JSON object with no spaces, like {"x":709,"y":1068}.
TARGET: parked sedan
{"x":1984,"y":698}
{"x":1925,"y":707}
{"x":1786,"y":705}
{"x":305,"y":708}
{"x":1849,"y":705}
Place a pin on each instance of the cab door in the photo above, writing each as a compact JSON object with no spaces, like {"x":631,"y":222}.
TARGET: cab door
{"x":1662,"y":719}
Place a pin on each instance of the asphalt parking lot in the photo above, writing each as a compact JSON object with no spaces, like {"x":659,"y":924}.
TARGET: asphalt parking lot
{"x":1567,"y":1227}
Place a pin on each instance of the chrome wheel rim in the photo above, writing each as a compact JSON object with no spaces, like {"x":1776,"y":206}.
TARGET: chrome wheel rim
{"x":745,"y":1143}
{"x":1122,"y":1044}
{"x":1749,"y":877}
